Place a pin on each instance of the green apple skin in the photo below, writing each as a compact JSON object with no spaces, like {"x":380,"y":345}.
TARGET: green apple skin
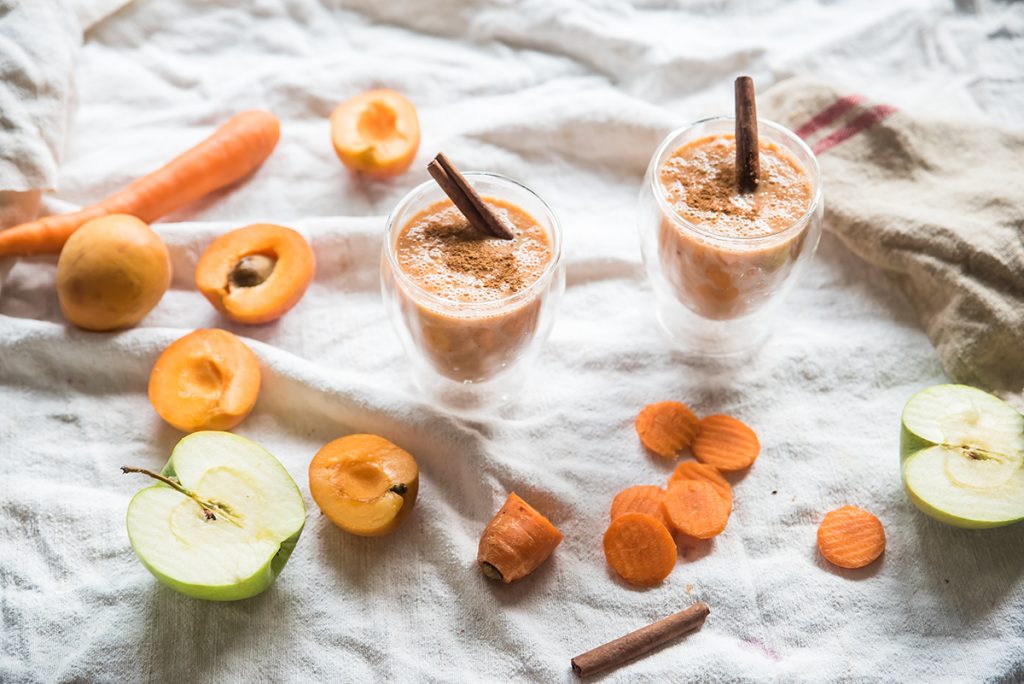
{"x":256,"y":584}
{"x":911,"y":444}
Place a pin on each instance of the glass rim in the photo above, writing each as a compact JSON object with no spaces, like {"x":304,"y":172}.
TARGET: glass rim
{"x":659,"y":192}
{"x":404,"y":278}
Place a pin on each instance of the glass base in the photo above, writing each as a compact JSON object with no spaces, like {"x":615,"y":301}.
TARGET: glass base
{"x":469,"y":396}
{"x":727,"y":339}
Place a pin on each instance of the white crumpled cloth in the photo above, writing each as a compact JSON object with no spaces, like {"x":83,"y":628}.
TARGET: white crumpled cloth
{"x":571,"y":99}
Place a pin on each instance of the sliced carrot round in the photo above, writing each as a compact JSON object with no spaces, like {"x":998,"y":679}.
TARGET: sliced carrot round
{"x":850,"y":537}
{"x":640,"y":549}
{"x":377,"y":133}
{"x":666,"y":428}
{"x":640,"y":499}
{"x":726,"y":443}
{"x":257,"y":273}
{"x":702,"y":472}
{"x":696,"y":509}
{"x":207,"y":380}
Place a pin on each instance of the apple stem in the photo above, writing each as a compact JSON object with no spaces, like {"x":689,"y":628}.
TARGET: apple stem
{"x":210,"y":508}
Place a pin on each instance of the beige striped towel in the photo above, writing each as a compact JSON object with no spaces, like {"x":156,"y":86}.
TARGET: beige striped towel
{"x":939,"y":206}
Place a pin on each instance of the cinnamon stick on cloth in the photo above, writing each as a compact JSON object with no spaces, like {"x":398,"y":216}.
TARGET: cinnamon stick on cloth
{"x":938,"y":206}
{"x":644,"y":640}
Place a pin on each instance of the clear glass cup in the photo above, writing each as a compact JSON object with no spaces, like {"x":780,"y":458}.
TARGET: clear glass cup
{"x":716,"y":295}
{"x":472,"y":354}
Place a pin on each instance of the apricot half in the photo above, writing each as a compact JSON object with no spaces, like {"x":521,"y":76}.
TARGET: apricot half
{"x":257,"y":273}
{"x":364,"y":484}
{"x":377,"y":133}
{"x":206,"y":380}
{"x":111,"y":273}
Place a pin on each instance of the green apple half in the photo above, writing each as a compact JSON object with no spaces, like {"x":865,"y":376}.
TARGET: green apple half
{"x":223,"y":520}
{"x":962,"y":455}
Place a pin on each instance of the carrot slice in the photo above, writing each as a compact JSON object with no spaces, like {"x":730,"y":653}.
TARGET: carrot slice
{"x":640,"y":549}
{"x":702,"y":472}
{"x":516,"y":541}
{"x":695,"y":508}
{"x":725,"y":443}
{"x":850,"y":537}
{"x":641,"y":499}
{"x":666,"y":428}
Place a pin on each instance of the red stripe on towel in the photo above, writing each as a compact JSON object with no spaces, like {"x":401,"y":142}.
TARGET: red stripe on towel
{"x":861,"y":123}
{"x":828,"y":115}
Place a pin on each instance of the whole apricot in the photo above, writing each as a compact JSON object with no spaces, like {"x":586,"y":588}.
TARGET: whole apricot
{"x":111,"y":273}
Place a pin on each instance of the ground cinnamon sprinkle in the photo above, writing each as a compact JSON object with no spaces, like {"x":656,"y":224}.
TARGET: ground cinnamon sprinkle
{"x":445,"y":254}
{"x":464,"y":250}
{"x":700,"y":183}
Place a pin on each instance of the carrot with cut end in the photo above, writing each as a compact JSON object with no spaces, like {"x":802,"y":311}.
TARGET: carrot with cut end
{"x":702,"y":472}
{"x":666,"y":428}
{"x":725,"y":443}
{"x":850,"y":537}
{"x":516,"y":541}
{"x":696,"y":509}
{"x":646,"y":499}
{"x":233,"y":151}
{"x":640,"y":549}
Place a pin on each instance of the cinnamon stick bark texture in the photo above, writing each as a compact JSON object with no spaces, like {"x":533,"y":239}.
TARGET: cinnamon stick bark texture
{"x":466,"y":198}
{"x":644,"y":640}
{"x":748,"y":162}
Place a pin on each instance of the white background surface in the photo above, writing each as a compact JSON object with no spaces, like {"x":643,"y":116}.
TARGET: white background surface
{"x":571,"y":100}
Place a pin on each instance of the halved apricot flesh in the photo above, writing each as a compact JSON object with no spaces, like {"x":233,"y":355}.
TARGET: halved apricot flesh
{"x":377,"y":133}
{"x":364,"y":484}
{"x":206,"y":380}
{"x":257,"y":273}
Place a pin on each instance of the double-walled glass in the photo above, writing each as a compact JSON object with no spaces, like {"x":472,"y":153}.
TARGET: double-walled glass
{"x":468,"y":354}
{"x":716,"y":294}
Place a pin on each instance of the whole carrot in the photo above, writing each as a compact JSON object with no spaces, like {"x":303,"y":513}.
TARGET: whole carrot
{"x":233,"y":151}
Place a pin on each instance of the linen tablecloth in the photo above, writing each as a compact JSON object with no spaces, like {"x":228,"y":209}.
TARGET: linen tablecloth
{"x":571,"y":99}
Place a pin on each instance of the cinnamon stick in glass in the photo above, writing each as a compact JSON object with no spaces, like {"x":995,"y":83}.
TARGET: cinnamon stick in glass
{"x":466,"y":198}
{"x":748,"y":159}
{"x":644,"y":640}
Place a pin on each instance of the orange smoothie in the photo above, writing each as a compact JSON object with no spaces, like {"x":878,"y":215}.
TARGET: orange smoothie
{"x":442,"y":254}
{"x":724,"y":253}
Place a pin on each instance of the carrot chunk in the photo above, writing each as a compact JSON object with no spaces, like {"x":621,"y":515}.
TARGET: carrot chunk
{"x":850,"y":537}
{"x":695,"y":508}
{"x":516,"y":541}
{"x":640,"y":549}
{"x":702,"y":472}
{"x":726,"y":443}
{"x":640,"y":499}
{"x":666,"y":428}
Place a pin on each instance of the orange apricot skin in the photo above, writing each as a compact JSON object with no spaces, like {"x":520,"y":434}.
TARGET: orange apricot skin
{"x":206,"y":380}
{"x":111,"y":273}
{"x":324,"y":472}
{"x":293,"y":271}
{"x":381,"y":158}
